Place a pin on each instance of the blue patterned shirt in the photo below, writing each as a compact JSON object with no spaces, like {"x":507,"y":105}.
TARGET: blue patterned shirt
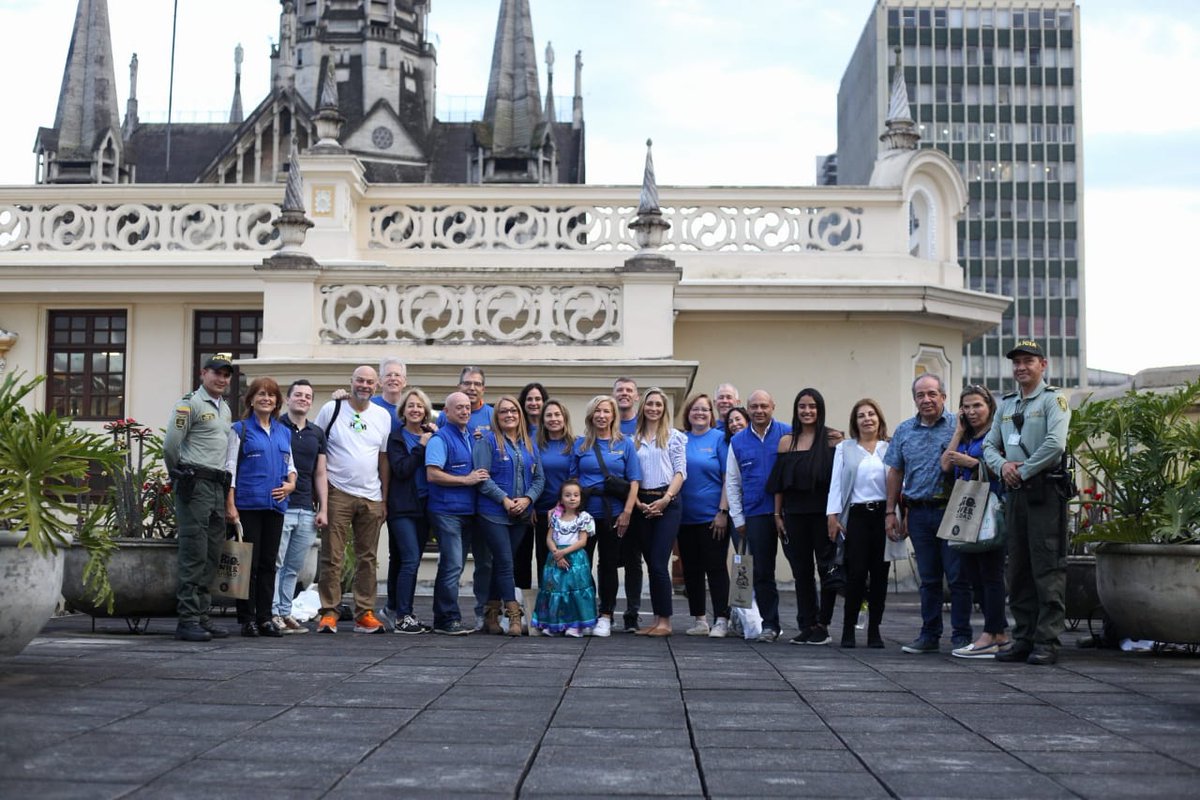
{"x":916,"y":451}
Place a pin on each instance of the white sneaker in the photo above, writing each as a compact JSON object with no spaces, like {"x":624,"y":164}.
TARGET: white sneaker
{"x":574,"y":633}
{"x":547,"y":632}
{"x":587,"y":631}
{"x":478,"y":623}
{"x":603,"y":627}
{"x":719,"y":629}
{"x":700,"y":628}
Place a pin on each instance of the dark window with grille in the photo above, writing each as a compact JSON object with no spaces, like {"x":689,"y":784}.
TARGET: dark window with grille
{"x":234,"y":332}
{"x":85,"y":364}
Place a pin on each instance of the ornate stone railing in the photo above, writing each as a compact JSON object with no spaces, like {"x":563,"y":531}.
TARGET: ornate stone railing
{"x":694,"y":227}
{"x":460,"y":313}
{"x":138,"y":218}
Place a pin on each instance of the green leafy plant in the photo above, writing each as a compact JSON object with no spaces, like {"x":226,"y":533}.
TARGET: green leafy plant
{"x":44,"y":467}
{"x":1142,"y":449}
{"x":139,"y":503}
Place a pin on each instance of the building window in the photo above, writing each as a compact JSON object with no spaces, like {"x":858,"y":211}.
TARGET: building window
{"x":233,"y":332}
{"x":86,"y":364}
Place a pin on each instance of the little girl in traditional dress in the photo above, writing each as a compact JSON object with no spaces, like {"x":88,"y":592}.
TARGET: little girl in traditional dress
{"x":566,"y":601}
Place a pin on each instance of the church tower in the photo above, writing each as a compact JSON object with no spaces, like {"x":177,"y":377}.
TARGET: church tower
{"x":85,"y":144}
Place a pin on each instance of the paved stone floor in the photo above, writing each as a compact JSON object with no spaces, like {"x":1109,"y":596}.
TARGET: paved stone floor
{"x":108,"y":714}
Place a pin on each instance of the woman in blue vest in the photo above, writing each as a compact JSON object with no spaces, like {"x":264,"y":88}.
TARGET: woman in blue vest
{"x":505,"y":504}
{"x":533,"y":399}
{"x":800,"y":482}
{"x":554,"y":442}
{"x":408,"y":493}
{"x":985,"y":570}
{"x":602,"y":451}
{"x":260,"y":460}
{"x":704,"y":524}
{"x":856,"y":508}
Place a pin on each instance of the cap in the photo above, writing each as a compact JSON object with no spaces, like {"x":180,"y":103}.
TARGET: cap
{"x":1027,"y":346}
{"x":219,"y":361}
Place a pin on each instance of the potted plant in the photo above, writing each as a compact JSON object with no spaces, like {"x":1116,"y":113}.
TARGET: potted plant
{"x":1142,"y":451}
{"x":138,"y":510}
{"x":44,"y":465}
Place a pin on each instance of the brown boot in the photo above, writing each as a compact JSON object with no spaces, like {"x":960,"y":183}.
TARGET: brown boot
{"x":512,"y":610}
{"x":491,"y":618}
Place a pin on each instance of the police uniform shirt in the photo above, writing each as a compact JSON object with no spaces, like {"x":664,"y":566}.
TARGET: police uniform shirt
{"x":1043,"y":435}
{"x":198,"y":433}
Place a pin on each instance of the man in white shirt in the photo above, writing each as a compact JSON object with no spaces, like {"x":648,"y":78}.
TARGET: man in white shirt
{"x":357,"y":432}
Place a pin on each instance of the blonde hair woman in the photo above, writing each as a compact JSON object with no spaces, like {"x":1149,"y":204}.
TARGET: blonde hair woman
{"x":607,"y":467}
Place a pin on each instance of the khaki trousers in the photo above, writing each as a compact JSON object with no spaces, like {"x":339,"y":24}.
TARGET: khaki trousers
{"x":360,"y":518}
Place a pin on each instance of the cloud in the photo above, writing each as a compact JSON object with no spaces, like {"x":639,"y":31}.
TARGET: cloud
{"x":1140,"y":278}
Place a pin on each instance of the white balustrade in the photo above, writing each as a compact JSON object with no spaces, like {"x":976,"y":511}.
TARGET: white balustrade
{"x":461,"y":313}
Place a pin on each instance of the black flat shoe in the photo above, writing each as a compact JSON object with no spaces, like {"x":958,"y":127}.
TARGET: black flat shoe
{"x":269,"y":628}
{"x":191,"y":632}
{"x":215,"y":631}
{"x":249,"y":629}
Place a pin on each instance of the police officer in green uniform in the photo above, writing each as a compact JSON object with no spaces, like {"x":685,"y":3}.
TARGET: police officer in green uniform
{"x":194,"y":451}
{"x":1025,"y":447}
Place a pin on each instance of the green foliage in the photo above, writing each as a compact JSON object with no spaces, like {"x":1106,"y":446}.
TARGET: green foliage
{"x":140,"y":504}
{"x":44,"y":466}
{"x":1143,"y":449}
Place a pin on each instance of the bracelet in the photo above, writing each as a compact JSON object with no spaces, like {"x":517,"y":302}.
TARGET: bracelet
{"x":889,"y":513}
{"x":722,"y":510}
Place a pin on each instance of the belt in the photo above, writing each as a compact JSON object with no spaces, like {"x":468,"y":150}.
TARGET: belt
{"x":653,"y":492}
{"x":934,"y":502}
{"x":872,"y":505}
{"x":205,"y":474}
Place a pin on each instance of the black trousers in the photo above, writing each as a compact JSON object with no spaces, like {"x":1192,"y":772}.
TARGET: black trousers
{"x":807,"y":548}
{"x":866,"y":569}
{"x":262,"y":529}
{"x":533,"y":543}
{"x":704,"y":557}
{"x":617,"y":552}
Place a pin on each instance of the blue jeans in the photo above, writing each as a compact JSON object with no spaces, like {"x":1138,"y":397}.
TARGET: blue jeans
{"x":481,"y":580}
{"x":935,"y":558}
{"x":408,"y":536}
{"x":449,"y":530}
{"x":657,"y":537}
{"x":762,"y":544}
{"x":502,"y":538}
{"x":299,"y":533}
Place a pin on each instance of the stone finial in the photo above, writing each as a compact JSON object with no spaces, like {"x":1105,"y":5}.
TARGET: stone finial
{"x":900,"y":131}
{"x":329,"y":90}
{"x":649,"y":227}
{"x":550,"y":111}
{"x":577,"y":100}
{"x":329,"y":119}
{"x":292,"y":223}
{"x":235,"y":108}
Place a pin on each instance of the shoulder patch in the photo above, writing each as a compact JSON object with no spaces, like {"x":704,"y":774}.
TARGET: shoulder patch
{"x":188,"y":396}
{"x":183,"y":410}
{"x":1007,"y":396}
{"x":207,"y":417}
{"x":180,"y":421}
{"x":1062,"y":402}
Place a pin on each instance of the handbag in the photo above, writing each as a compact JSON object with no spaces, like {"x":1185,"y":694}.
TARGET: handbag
{"x":833,"y":573}
{"x":741,"y":579}
{"x":964,"y":513}
{"x":614,"y":485}
{"x":233,"y":570}
{"x":991,"y":533}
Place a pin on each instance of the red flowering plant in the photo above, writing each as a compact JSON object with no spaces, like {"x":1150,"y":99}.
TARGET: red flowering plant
{"x":139,"y":500}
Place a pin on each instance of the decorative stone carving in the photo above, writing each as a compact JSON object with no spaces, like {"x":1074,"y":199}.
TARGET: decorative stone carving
{"x":138,"y":226}
{"x":471,"y":314}
{"x":607,"y":228}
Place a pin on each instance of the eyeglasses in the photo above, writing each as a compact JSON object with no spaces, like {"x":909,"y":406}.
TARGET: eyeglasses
{"x":357,"y":423}
{"x":471,"y":383}
{"x":508,"y":412}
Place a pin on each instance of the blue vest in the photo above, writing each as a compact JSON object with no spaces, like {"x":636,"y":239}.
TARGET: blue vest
{"x":456,"y":500}
{"x":503,"y":472}
{"x":755,"y":459}
{"x":262,"y":465}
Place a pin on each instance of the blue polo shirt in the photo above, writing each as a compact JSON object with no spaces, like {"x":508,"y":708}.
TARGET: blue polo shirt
{"x":628,"y":427}
{"x":479,"y":423}
{"x":390,"y":408}
{"x":557,"y":461}
{"x":916,"y":451}
{"x":701,"y":492}
{"x":620,"y":458}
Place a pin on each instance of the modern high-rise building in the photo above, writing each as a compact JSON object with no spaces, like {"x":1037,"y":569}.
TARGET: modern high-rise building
{"x":994,"y":84}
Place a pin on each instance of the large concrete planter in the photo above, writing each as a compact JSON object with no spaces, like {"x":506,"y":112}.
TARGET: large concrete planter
{"x":144,"y":574}
{"x":1151,"y":591}
{"x":29,"y":588}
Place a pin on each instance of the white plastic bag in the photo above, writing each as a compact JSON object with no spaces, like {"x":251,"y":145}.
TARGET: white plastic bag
{"x":306,"y":605}
{"x":749,"y":620}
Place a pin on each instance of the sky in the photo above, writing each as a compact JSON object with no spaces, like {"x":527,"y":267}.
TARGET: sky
{"x":733,"y":93}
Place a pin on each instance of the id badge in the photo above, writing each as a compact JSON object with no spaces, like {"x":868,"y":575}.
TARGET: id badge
{"x":737,"y":558}
{"x":1014,"y":439}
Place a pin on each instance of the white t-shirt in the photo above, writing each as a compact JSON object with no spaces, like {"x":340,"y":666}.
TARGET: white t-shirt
{"x":353,"y":447}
